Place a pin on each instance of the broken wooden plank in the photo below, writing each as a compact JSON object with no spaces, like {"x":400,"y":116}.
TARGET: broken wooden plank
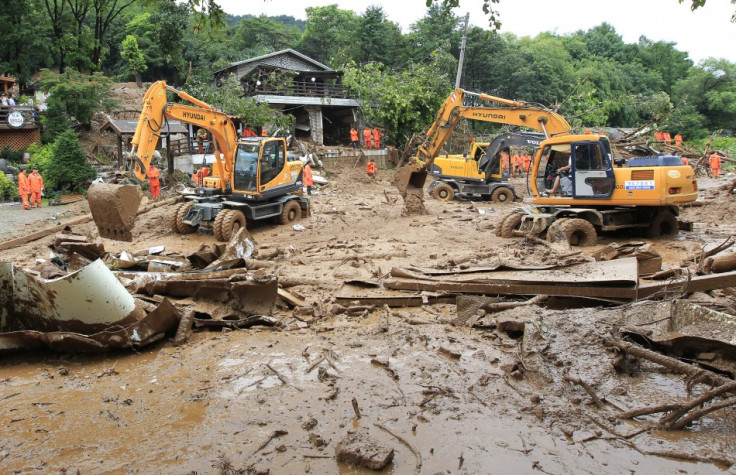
{"x":700,"y":283}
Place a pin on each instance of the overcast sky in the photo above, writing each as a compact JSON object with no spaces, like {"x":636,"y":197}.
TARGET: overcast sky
{"x":707,"y":32}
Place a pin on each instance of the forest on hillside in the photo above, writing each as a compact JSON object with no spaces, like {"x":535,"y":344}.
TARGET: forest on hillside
{"x":592,"y":77}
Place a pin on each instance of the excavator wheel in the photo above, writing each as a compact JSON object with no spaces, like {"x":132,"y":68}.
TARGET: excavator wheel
{"x":217,"y":224}
{"x":555,"y":231}
{"x":663,"y":224}
{"x":579,"y":232}
{"x":502,"y":195}
{"x":510,"y":223}
{"x":231,"y":224}
{"x":177,"y":219}
{"x":291,"y":212}
{"x":443,"y":192}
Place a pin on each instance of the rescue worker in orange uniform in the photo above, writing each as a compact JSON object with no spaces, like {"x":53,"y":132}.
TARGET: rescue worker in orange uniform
{"x":371,"y":169}
{"x":377,"y":137}
{"x":659,"y":136}
{"x":367,"y":138}
{"x":685,"y":161}
{"x":307,"y":178}
{"x":264,"y":133}
{"x":354,"y":141}
{"x":153,"y":175}
{"x":36,"y":183}
{"x":678,"y":140}
{"x":667,"y":138}
{"x":24,"y":187}
{"x":248,"y":132}
{"x":504,"y":165}
{"x":526,"y":160}
{"x":715,"y":164}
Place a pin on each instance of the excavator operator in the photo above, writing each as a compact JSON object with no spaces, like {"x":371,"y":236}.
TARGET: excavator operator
{"x":562,"y":173}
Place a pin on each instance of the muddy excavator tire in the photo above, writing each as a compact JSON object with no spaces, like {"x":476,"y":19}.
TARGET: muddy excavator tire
{"x":231,"y":224}
{"x":510,"y":223}
{"x":114,"y":208}
{"x":502,"y":195}
{"x":291,"y":212}
{"x":177,"y":219}
{"x":443,"y":192}
{"x":664,"y":223}
{"x":555,"y":231}
{"x":217,"y":224}
{"x":578,"y":232}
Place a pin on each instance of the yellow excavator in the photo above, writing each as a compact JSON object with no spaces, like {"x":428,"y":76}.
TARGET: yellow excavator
{"x":410,"y":178}
{"x":578,"y":189}
{"x":252,"y":177}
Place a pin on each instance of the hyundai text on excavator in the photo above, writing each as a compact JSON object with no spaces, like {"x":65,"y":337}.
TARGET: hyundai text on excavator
{"x":252,"y":178}
{"x":596,"y":196}
{"x":480,"y":173}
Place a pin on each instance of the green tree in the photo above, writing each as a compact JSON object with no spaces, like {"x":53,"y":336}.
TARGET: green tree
{"x":379,"y":39}
{"x":262,"y":35}
{"x":24,"y":39}
{"x":331,"y":35}
{"x":133,"y":56}
{"x":78,"y":95}
{"x":68,"y":168}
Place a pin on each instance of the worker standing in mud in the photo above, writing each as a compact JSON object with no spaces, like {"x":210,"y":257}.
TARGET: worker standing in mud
{"x":367,"y":138}
{"x":154,"y":174}
{"x":678,"y":140}
{"x":371,"y":169}
{"x":715,"y":164}
{"x":307,"y":177}
{"x":36,"y":182}
{"x":526,"y":160}
{"x":24,"y":188}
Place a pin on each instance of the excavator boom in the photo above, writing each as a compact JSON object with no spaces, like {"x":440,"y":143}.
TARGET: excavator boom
{"x":114,"y":207}
{"x":410,"y":178}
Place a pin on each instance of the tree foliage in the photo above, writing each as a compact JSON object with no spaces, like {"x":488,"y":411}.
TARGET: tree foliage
{"x":134,"y":57}
{"x":77,"y":95}
{"x":68,"y":168}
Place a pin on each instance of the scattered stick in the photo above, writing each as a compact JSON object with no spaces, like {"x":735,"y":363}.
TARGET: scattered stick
{"x":671,"y":421}
{"x":643,"y":411}
{"x":314,"y":365}
{"x":416,"y":453}
{"x":281,"y":377}
{"x":695,"y":415}
{"x":586,"y":387}
{"x":267,"y":440}
{"x":689,"y":457}
{"x":356,"y":409}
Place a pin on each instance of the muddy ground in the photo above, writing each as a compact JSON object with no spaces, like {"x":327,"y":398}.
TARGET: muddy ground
{"x":447,"y":399}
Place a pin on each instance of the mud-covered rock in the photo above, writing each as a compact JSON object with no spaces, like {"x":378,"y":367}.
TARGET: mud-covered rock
{"x":361,"y":450}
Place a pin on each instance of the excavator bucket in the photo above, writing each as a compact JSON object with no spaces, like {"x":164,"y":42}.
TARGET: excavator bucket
{"x":114,"y":208}
{"x":410,"y":179}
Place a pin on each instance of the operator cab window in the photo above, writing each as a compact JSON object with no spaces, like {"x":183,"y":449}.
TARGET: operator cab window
{"x":246,"y":167}
{"x":272,"y":161}
{"x":589,"y":157}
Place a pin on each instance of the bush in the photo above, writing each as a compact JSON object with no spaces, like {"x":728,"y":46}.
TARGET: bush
{"x":8,"y":189}
{"x":68,"y":168}
{"x":14,"y":156}
{"x":41,"y":156}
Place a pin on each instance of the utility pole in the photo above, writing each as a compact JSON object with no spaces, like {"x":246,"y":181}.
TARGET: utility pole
{"x":462,"y":52}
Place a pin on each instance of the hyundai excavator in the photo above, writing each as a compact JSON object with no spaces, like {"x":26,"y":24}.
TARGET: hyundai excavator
{"x":252,"y":177}
{"x":596,"y":194}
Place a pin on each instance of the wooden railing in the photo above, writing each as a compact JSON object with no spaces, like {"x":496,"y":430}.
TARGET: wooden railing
{"x":302,"y":89}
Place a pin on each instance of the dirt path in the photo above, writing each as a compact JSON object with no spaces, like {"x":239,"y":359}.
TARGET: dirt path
{"x":465,"y":401}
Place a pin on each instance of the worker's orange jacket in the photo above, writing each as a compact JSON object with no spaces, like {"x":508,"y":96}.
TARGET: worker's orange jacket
{"x":678,"y":140}
{"x":667,"y":137}
{"x":36,"y":182}
{"x":353,"y":135}
{"x":23,"y":186}
{"x":714,"y":161}
{"x":307,"y":178}
{"x":153,"y":174}
{"x":377,"y":135}
{"x":526,"y":159}
{"x":371,"y":168}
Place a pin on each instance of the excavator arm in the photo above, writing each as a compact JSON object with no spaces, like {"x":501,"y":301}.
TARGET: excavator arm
{"x":157,"y":110}
{"x":410,"y":178}
{"x":114,"y":207}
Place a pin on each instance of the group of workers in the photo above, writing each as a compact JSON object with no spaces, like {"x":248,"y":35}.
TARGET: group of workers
{"x":520,"y":164}
{"x":30,"y":188}
{"x":371,"y":138}
{"x":665,"y":137}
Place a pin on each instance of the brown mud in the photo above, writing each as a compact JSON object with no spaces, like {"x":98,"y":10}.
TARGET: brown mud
{"x":444,"y":398}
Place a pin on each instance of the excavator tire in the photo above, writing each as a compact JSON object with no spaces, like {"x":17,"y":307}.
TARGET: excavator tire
{"x":663,"y":224}
{"x":443,"y":192}
{"x":579,"y":233}
{"x":231,"y":224}
{"x":502,"y":195}
{"x":291,"y":212}
{"x":177,"y":219}
{"x":555,"y":231}
{"x":510,"y":223}
{"x":217,"y":224}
